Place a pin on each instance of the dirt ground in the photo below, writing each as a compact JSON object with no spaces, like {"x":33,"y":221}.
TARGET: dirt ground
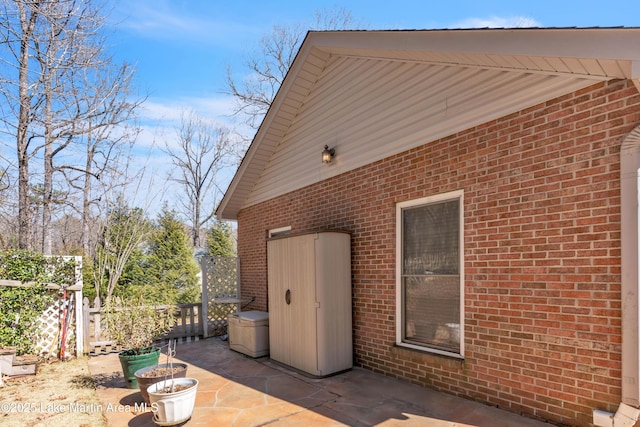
{"x":61,"y":394}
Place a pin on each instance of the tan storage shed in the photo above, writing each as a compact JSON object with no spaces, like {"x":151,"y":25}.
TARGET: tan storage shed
{"x":310,"y":301}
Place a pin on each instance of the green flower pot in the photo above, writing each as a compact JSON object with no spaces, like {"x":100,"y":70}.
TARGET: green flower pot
{"x":132,"y":362}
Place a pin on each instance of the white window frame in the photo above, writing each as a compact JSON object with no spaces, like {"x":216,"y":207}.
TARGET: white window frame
{"x":453,"y":195}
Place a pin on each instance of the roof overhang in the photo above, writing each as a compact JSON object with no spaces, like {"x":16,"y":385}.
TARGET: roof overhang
{"x":486,"y":74}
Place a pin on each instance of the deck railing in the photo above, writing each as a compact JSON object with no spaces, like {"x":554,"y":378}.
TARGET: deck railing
{"x":188,"y":326}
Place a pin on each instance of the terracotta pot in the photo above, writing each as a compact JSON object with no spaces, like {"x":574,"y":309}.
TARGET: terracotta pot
{"x":144,"y":380}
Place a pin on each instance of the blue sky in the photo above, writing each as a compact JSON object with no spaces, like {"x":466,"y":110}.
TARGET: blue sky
{"x":181,"y":47}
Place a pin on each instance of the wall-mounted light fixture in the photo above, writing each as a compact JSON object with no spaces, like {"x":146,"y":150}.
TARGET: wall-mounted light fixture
{"x":328,"y":154}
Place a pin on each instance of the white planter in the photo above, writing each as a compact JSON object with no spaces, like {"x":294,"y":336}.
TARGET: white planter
{"x":172,"y":408}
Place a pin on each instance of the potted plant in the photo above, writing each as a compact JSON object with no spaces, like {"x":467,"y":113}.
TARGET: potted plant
{"x":135,"y":325}
{"x":172,"y":399}
{"x":153,"y":374}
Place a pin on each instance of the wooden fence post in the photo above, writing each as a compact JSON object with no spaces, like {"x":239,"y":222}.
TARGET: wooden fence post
{"x":85,"y":325}
{"x":204,"y":311}
{"x":79,"y":314}
{"x":97,"y":327}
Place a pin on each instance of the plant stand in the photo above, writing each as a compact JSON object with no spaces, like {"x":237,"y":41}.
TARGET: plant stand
{"x":171,"y":408}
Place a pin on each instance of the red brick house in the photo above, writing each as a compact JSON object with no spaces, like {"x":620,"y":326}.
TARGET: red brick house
{"x":489,"y":181}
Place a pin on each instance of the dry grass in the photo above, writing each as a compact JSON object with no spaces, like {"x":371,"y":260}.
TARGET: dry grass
{"x":61,"y":394}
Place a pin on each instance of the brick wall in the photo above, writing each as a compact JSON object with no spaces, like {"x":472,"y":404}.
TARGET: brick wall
{"x":542,"y":253}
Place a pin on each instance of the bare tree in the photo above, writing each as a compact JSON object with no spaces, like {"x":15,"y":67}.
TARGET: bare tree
{"x":107,"y":108}
{"x":202,"y":150}
{"x":268,"y":66}
{"x":94,"y":101}
{"x":5,"y":184}
{"x":124,"y":230}
{"x":63,"y":49}
{"x":68,"y":92}
{"x":18,"y":26}
{"x":67,"y":231}
{"x":122,"y":226}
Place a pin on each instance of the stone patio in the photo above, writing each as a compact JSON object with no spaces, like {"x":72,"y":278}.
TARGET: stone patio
{"x":236,"y":390}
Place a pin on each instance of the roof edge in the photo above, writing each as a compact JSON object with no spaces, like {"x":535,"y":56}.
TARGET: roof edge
{"x":611,"y":42}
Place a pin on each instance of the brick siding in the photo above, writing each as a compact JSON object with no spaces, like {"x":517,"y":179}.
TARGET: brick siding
{"x":541,"y":252}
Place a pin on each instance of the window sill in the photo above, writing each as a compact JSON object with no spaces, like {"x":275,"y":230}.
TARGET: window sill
{"x":426,"y":356}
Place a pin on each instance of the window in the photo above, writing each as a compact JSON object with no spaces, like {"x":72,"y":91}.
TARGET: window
{"x":430,"y":274}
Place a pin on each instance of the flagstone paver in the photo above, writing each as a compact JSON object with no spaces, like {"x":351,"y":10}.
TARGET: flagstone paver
{"x":236,"y":390}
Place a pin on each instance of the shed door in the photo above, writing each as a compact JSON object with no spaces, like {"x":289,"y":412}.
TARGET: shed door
{"x":292,"y":302}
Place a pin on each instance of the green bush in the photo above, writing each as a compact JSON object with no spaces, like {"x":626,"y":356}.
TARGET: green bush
{"x":134,"y":325}
{"x":20,"y":307}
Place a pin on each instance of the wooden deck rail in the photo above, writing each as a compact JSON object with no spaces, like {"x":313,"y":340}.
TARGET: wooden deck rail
{"x":188,"y":327}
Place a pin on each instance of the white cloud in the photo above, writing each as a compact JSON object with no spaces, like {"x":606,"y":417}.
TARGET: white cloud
{"x":158,"y":110}
{"x":166,"y":20}
{"x":150,"y":136}
{"x":497,"y":22}
{"x":159,"y":118}
{"x":171,"y":109}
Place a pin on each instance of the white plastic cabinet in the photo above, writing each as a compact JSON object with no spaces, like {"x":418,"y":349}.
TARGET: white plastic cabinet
{"x":309,"y":278}
{"x":249,"y":332}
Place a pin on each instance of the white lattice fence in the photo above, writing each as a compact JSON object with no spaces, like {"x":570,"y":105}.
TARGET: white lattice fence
{"x":220,"y":292}
{"x":48,"y":330}
{"x":50,"y":326}
{"x":49,"y":340}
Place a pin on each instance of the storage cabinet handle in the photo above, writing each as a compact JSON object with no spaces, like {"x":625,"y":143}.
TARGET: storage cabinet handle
{"x":287,"y":296}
